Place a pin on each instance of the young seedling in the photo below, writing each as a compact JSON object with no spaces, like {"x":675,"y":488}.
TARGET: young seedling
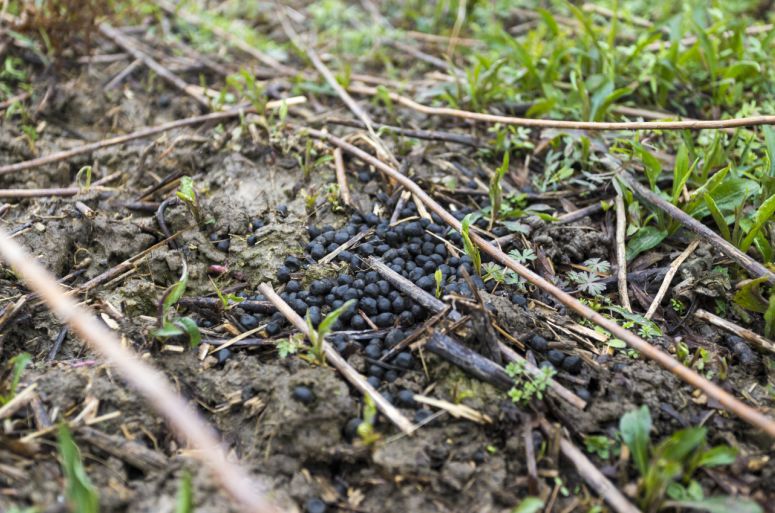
{"x":289,"y":346}
{"x":187,"y":194}
{"x":184,"y":503}
{"x":19,"y":363}
{"x":439,"y":276}
{"x":318,"y":335}
{"x":496,"y":191}
{"x":471,"y":249}
{"x":173,"y":325}
{"x":84,"y":174}
{"x":366,"y":431}
{"x":228,"y":301}
{"x":526,"y":387}
{"x":81,"y":494}
{"x":667,"y":468}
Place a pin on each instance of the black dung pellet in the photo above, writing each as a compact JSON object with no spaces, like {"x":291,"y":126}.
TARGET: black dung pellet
{"x":317,"y":251}
{"x":292,"y":263}
{"x":344,"y":279}
{"x":538,"y":343}
{"x":583,"y":393}
{"x":223,"y":245}
{"x":371,"y":290}
{"x":357,"y":323}
{"x":412,"y":229}
{"x":556,"y":357}
{"x":345,"y":256}
{"x":546,"y":364}
{"x":368,"y":305}
{"x":320,"y":287}
{"x":375,"y":370}
{"x":393,"y":337}
{"x":341,"y":237}
{"x":391,"y":376}
{"x":248,"y":321}
{"x":405,"y":398}
{"x":406,"y":318}
{"x":351,"y":293}
{"x":374,"y":381}
{"x":336,"y":303}
{"x":384,"y":287}
{"x":303,"y":394}
{"x":383,"y":305}
{"x":427,"y":283}
{"x":273,"y":328}
{"x":314,"y":315}
{"x":366,"y":249}
{"x":351,"y":428}
{"x":372,"y":351}
{"x":371,"y":219}
{"x":315,"y":506}
{"x":252,"y":240}
{"x":572,"y":364}
{"x":223,"y":355}
{"x":293,"y":286}
{"x":518,"y":299}
{"x":282,"y":210}
{"x":384,"y":320}
{"x":313,"y":232}
{"x":283,"y":274}
{"x":421,"y":415}
{"x":403,"y":360}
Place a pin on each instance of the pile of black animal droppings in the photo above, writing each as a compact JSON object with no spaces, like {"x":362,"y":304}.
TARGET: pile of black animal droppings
{"x":415,"y":249}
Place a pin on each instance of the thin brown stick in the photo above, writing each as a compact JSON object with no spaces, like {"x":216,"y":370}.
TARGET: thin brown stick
{"x":60,"y":191}
{"x":140,"y":134}
{"x":749,"y":264}
{"x":729,"y":402}
{"x":621,"y":258}
{"x":354,"y":377}
{"x":341,"y":178}
{"x":429,"y":302}
{"x":669,"y":277}
{"x":428,"y":135}
{"x":761,"y":343}
{"x":593,"y":477}
{"x":574,"y":125}
{"x":157,"y":391}
{"x":131,"y":47}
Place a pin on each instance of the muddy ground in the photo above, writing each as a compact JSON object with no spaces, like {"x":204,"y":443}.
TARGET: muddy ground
{"x":300,"y":452}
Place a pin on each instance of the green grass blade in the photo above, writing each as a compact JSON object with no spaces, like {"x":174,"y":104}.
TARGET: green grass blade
{"x":763,"y":214}
{"x":723,"y":227}
{"x":80,"y":493}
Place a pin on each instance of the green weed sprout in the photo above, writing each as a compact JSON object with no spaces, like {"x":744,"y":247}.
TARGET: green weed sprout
{"x":85,"y":171}
{"x":317,"y":336}
{"x":80,"y":493}
{"x":496,"y":191}
{"x":526,"y":387}
{"x":173,"y":326}
{"x":184,"y":503}
{"x":20,"y":362}
{"x":471,"y":250}
{"x":439,"y":277}
{"x":366,"y":431}
{"x":228,"y":301}
{"x":187,"y":194}
{"x":667,"y":468}
{"x":289,"y":346}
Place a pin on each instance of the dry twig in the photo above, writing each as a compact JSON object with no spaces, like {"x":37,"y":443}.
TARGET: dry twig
{"x":669,"y":277}
{"x":621,"y":259}
{"x":761,"y":343}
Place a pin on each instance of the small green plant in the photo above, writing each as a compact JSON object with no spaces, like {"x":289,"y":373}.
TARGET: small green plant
{"x":524,"y":256}
{"x":187,"y":194}
{"x":289,"y":346}
{"x":496,"y":191}
{"x":529,"y":505}
{"x":438,"y":276}
{"x":80,"y":493}
{"x":600,"y":445}
{"x":184,"y":503}
{"x":471,"y":249}
{"x":366,"y":431}
{"x":171,"y":325}
{"x":667,"y":469}
{"x":228,"y":301}
{"x":310,"y":160}
{"x":318,"y":335}
{"x":526,"y":387}
{"x":19,"y":363}
{"x":84,"y":174}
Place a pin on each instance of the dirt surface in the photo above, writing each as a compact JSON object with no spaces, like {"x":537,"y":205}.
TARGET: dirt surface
{"x":299,"y":452}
